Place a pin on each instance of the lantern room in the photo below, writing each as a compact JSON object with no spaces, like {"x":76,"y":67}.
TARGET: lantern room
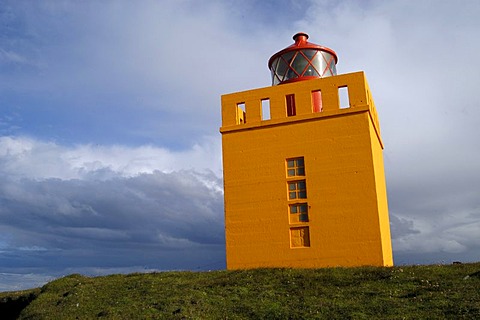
{"x":302,"y":60}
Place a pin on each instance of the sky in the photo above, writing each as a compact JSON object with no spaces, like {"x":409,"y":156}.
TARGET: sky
{"x":110,"y":151}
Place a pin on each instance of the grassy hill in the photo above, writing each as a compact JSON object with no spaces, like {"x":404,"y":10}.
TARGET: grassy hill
{"x":406,"y":292}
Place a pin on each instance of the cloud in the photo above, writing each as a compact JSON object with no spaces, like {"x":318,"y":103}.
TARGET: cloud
{"x":35,"y":159}
{"x":20,"y":281}
{"x":401,"y":227}
{"x":59,"y":212}
{"x":155,"y":207}
{"x":11,"y":57}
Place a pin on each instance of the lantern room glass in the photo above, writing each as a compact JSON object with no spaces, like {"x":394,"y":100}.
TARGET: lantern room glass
{"x":302,"y":63}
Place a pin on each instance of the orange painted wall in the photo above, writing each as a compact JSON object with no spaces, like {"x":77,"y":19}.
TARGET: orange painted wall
{"x":346,"y":194}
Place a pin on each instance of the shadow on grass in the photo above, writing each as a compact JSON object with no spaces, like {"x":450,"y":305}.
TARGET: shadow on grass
{"x":12,"y":306}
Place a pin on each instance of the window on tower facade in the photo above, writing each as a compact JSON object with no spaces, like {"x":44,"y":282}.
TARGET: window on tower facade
{"x":297,"y":190}
{"x":291,"y":109}
{"x":295,"y":167}
{"x":297,"y":203}
{"x":299,"y":237}
{"x":298,"y":212}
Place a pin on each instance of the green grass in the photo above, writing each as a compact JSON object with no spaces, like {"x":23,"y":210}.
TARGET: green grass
{"x":406,"y":292}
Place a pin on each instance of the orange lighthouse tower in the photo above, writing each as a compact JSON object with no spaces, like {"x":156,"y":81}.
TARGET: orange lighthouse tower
{"x":303,"y":173}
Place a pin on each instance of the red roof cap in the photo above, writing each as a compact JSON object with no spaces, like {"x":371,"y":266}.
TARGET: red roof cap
{"x":301,"y":43}
{"x":302,"y":61}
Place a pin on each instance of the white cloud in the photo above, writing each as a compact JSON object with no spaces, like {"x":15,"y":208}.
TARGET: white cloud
{"x":11,"y":57}
{"x":27,"y":157}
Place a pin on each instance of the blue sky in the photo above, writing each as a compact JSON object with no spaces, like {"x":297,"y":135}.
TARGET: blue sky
{"x":110,"y":155}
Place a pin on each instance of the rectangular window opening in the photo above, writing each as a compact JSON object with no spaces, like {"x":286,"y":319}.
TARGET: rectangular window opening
{"x":298,"y":213}
{"x":343,"y":98}
{"x":291,"y":110}
{"x":317,"y":101}
{"x":265,"y":109}
{"x":297,"y":190}
{"x":299,"y":237}
{"x":295,"y":167}
{"x":241,"y":115}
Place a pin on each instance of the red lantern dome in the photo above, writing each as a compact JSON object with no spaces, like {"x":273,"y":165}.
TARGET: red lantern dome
{"x":302,"y":61}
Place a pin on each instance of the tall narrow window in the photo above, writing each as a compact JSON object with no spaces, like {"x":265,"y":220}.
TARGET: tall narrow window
{"x":291,"y":110}
{"x":295,"y":167}
{"x":297,"y":190}
{"x":343,"y":98}
{"x":298,"y":209}
{"x":266,"y":109}
{"x":241,"y":115}
{"x":317,"y":101}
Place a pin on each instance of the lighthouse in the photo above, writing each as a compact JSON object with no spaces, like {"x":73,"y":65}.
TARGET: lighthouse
{"x":303,"y":172}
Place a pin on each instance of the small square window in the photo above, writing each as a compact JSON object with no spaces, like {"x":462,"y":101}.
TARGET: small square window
{"x":295,"y":167}
{"x":298,"y":213}
{"x":299,"y":237}
{"x":297,"y":190}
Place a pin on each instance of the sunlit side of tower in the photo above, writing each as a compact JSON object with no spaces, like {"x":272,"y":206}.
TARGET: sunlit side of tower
{"x":303,"y":170}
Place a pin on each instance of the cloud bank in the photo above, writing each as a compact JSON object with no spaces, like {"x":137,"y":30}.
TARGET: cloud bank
{"x":86,"y":209}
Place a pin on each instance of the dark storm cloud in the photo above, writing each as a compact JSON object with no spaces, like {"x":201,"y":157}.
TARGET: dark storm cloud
{"x":168,"y":211}
{"x":160,"y":220}
{"x":97,"y":209}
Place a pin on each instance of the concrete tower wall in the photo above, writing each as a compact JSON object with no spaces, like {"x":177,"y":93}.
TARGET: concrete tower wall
{"x":339,"y":184}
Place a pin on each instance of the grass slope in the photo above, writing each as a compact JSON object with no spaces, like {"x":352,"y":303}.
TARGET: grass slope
{"x":407,"y":292}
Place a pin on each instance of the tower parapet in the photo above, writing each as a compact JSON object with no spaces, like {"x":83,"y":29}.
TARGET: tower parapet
{"x":243,"y":110}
